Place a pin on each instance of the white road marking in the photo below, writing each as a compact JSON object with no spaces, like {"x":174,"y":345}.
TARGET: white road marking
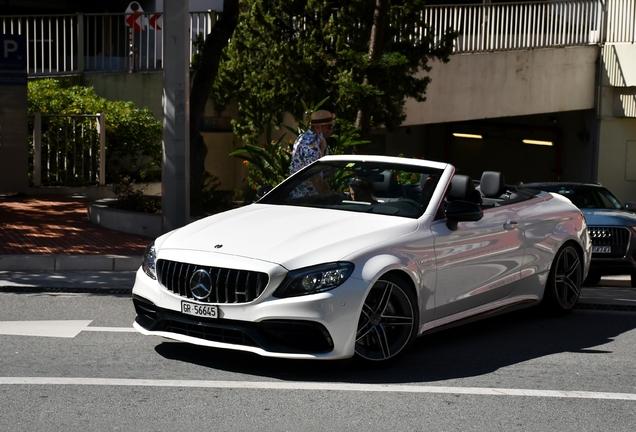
{"x":62,"y":329}
{"x":255,"y":385}
{"x":112,"y":329}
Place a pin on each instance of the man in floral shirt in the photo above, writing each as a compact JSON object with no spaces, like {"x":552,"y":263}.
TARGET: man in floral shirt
{"x":310,"y":146}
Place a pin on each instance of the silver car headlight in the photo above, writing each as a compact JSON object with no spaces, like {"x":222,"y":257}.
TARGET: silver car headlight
{"x":148,"y":262}
{"x":311,"y":280}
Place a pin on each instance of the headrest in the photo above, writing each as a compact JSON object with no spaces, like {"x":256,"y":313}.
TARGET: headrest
{"x":492,"y":184}
{"x":462,"y":188}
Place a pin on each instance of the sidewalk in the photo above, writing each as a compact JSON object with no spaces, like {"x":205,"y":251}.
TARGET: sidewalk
{"x":52,"y":232}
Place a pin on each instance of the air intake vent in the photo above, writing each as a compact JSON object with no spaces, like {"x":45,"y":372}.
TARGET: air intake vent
{"x":211,"y":284}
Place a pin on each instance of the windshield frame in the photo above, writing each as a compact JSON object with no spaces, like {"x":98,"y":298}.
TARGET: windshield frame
{"x":377,"y":185}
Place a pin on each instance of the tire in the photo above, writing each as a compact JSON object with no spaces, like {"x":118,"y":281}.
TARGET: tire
{"x":563,"y":288}
{"x":388,"y":322}
{"x":633,"y":280}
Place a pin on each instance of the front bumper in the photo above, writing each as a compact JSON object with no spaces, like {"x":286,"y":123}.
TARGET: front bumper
{"x":282,"y":336}
{"x":318,"y":326}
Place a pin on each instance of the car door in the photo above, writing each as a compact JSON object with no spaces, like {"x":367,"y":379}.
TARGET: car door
{"x":479,"y":262}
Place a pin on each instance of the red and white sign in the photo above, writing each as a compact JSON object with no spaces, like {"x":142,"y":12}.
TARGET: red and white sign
{"x":156,"y":21}
{"x":134,"y":21}
{"x":134,"y":17}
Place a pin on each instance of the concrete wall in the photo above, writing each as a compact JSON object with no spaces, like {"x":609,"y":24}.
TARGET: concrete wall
{"x":228,"y":169}
{"x":144,"y":89}
{"x":617,"y":157}
{"x":617,"y":120}
{"x":506,"y":84}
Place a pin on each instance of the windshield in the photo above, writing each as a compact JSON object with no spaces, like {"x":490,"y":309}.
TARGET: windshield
{"x":359,"y":186}
{"x":586,"y":196}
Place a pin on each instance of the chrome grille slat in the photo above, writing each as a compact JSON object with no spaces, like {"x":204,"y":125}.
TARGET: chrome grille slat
{"x":227,"y":285}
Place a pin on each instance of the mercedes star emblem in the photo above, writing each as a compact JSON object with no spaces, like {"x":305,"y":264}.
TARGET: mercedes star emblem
{"x":201,"y":284}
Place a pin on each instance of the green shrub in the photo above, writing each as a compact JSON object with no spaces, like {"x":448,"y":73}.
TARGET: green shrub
{"x":133,"y":136}
{"x":131,"y":199}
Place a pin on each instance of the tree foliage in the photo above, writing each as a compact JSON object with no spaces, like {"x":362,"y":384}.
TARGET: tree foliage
{"x":269,"y":164}
{"x":133,"y":136}
{"x":286,"y":51}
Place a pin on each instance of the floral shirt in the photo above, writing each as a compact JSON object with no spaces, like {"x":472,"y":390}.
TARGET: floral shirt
{"x":306,"y":150}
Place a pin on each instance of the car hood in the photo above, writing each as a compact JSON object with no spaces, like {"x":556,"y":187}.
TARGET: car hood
{"x":609,"y":217}
{"x":293,"y":237}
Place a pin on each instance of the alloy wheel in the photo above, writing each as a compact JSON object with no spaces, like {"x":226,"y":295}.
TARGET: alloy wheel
{"x":387,"y":322}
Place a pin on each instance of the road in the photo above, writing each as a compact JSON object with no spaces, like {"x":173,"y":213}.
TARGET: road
{"x":78,"y":366}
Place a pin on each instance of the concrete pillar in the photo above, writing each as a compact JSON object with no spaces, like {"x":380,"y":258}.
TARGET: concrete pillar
{"x":175,"y":202}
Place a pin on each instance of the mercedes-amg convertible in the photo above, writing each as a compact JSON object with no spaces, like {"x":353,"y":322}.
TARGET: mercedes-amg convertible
{"x":359,"y":255}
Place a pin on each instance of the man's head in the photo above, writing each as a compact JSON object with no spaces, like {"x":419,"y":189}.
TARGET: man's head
{"x":322,"y":121}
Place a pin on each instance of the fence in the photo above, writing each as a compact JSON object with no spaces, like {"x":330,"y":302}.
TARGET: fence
{"x":68,"y":150}
{"x":75,"y":44}
{"x":514,"y":26}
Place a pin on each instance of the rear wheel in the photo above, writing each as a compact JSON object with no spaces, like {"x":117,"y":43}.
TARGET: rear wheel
{"x":564,"y":282}
{"x":388,"y":322}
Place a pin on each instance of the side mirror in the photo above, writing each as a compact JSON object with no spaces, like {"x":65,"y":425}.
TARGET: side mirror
{"x":630,"y":206}
{"x":462,"y":211}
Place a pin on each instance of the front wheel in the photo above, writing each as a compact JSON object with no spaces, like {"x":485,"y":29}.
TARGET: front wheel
{"x":564,"y":282}
{"x":388,"y":322}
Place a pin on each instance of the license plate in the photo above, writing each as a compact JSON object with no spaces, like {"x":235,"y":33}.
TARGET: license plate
{"x":208,"y":311}
{"x":601,"y":249}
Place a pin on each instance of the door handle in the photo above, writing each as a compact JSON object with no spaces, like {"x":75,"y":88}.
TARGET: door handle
{"x":510,"y":225}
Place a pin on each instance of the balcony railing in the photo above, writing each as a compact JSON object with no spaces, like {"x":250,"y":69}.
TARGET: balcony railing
{"x":84,"y":43}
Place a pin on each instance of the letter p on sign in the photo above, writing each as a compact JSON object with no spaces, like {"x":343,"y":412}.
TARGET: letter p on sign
{"x":10,"y":46}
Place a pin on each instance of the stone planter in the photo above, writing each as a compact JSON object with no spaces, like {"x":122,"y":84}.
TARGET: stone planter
{"x":145,"y":224}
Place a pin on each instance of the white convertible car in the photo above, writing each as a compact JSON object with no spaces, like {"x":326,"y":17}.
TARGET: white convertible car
{"x":359,"y":255}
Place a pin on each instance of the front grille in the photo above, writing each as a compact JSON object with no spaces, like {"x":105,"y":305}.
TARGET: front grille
{"x":615,"y":237}
{"x":226,"y":285}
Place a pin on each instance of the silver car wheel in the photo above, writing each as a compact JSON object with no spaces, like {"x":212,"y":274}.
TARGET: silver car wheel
{"x":564,"y":284}
{"x":388,"y":321}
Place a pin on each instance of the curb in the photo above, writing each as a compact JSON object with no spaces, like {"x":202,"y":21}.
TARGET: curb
{"x":70,"y":262}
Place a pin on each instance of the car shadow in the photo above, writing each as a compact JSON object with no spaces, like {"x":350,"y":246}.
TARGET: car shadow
{"x":467,"y":351}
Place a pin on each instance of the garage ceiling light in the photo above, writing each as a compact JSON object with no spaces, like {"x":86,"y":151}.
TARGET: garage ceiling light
{"x":463,"y":135}
{"x":537,"y":142}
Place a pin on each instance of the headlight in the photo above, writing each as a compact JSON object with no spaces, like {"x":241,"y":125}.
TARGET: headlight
{"x":313,"y":280}
{"x":149,"y":260}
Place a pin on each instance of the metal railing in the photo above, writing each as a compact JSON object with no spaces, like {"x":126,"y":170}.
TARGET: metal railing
{"x":75,"y":44}
{"x":621,"y":21}
{"x":68,"y":150}
{"x":515,"y":26}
